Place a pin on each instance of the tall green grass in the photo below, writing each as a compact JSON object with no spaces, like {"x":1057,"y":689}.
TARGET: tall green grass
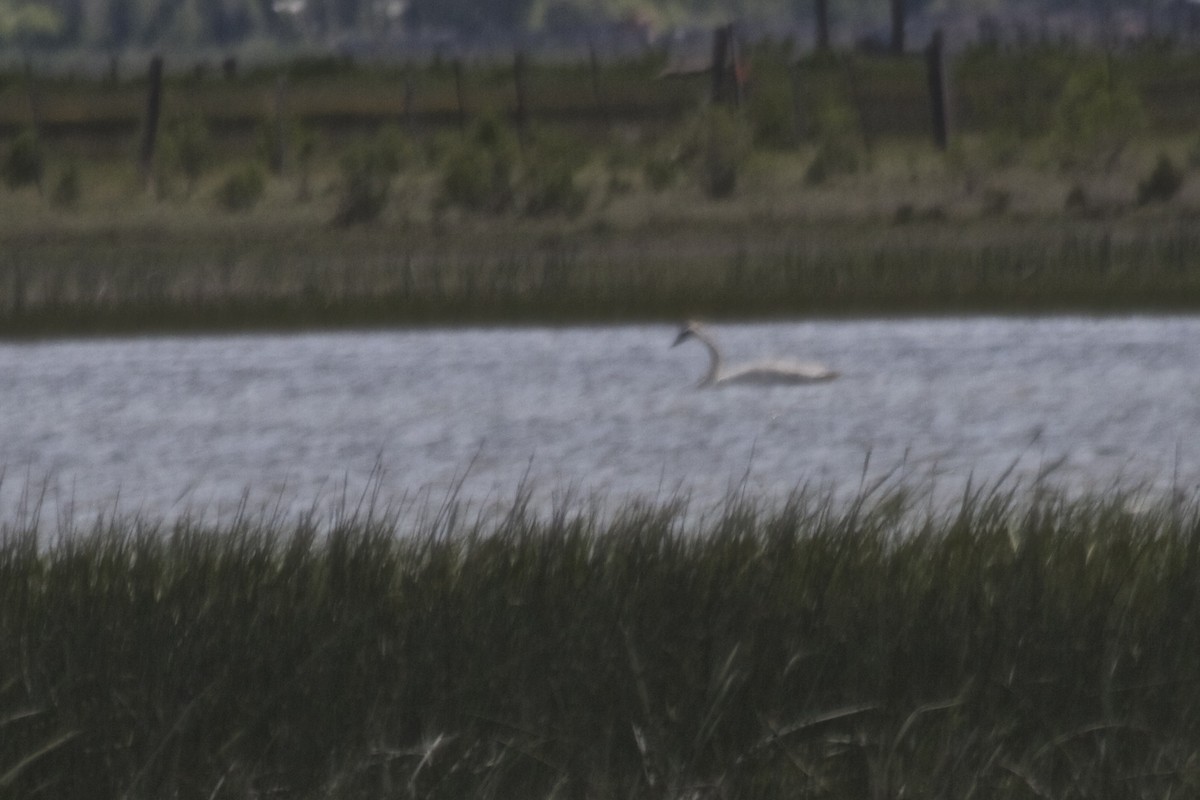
{"x":138,"y":281}
{"x":1019,"y":645}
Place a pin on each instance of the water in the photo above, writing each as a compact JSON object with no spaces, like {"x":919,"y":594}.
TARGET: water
{"x":167,"y":426}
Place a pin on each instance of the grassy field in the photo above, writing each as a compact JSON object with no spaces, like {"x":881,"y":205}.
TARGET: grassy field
{"x":822,"y":195}
{"x":1021,"y":645}
{"x":833,"y":250}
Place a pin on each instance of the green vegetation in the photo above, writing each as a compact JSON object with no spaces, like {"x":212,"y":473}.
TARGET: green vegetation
{"x":25,"y":163}
{"x":1021,"y":645}
{"x":822,"y":194}
{"x":243,"y":188}
{"x":1163,"y":183}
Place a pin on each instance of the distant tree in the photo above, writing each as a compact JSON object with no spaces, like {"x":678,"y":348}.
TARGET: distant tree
{"x":26,"y":22}
{"x":472,"y":16}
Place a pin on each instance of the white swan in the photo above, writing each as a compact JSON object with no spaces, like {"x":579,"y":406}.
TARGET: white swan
{"x":762,"y":373}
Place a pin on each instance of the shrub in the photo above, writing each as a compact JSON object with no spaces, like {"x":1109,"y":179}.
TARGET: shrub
{"x":1076,"y":199}
{"x":243,"y":188}
{"x":368,"y":168}
{"x":661,"y":170}
{"x":477,"y":172}
{"x":996,"y":201}
{"x":1097,"y":115}
{"x":548,"y":177}
{"x":1193,"y":156}
{"x":67,"y":190}
{"x":770,"y":107}
{"x":839,"y":143}
{"x":365,"y":185}
{"x":25,"y":162}
{"x":1162,"y":184}
{"x":394,"y":149}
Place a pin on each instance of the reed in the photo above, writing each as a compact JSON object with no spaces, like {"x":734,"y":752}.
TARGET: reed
{"x":143,"y":281}
{"x":1019,"y":644}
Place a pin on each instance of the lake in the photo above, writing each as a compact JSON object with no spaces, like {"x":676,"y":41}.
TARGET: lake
{"x":168,"y":426}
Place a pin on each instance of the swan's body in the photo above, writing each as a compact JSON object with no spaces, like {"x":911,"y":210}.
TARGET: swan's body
{"x":761,"y":373}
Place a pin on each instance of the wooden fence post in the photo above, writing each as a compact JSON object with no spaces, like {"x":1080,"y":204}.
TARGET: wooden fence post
{"x":897,"y":27}
{"x":720,"y":62}
{"x":458,"y":90}
{"x":726,"y":70}
{"x":822,"y":12}
{"x":409,"y":92}
{"x":520,"y":116}
{"x":801,"y":121}
{"x":939,"y":101}
{"x":597,"y":97}
{"x":150,"y":124}
{"x":279,"y":147}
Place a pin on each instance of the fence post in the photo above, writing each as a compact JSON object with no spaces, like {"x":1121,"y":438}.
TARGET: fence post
{"x":150,"y":124}
{"x":279,"y":148}
{"x":597,"y":97}
{"x":822,"y":9}
{"x":520,"y":116}
{"x":897,"y":27}
{"x":409,"y":91}
{"x":720,"y":61}
{"x":726,"y":66}
{"x":801,"y":120}
{"x":458,"y":90}
{"x":935,"y":60}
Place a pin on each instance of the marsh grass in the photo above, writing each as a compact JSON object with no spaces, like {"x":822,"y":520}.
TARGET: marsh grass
{"x":243,"y":276}
{"x":851,"y":212}
{"x":1019,"y":644}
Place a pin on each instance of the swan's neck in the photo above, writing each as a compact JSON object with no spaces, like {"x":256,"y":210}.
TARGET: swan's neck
{"x":714,"y":358}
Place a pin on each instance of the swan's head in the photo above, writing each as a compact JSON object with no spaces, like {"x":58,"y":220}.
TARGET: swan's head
{"x":689,"y":330}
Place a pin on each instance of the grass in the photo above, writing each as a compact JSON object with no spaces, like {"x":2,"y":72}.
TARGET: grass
{"x":266,"y":276}
{"x":1000,"y":223}
{"x":1020,"y":645}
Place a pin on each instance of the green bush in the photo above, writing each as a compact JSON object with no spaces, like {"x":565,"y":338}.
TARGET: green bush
{"x":243,"y":188}
{"x":548,"y":176}
{"x":394,"y":149}
{"x":25,"y":163}
{"x":1097,"y":115}
{"x":1012,"y":95}
{"x":770,"y":104}
{"x":67,"y":190}
{"x":365,"y":185}
{"x":661,"y":171}
{"x":1076,"y":200}
{"x":368,"y":168}
{"x":478,"y":171}
{"x":839,"y":143}
{"x":1162,"y":184}
{"x":996,"y":201}
{"x":1193,"y":156}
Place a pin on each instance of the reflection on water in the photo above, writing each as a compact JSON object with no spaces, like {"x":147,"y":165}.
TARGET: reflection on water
{"x":171,"y":425}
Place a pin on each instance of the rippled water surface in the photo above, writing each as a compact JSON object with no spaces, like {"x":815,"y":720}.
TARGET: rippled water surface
{"x":174,"y":425}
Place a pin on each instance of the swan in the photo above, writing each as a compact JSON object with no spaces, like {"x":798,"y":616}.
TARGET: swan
{"x":761,"y":373}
